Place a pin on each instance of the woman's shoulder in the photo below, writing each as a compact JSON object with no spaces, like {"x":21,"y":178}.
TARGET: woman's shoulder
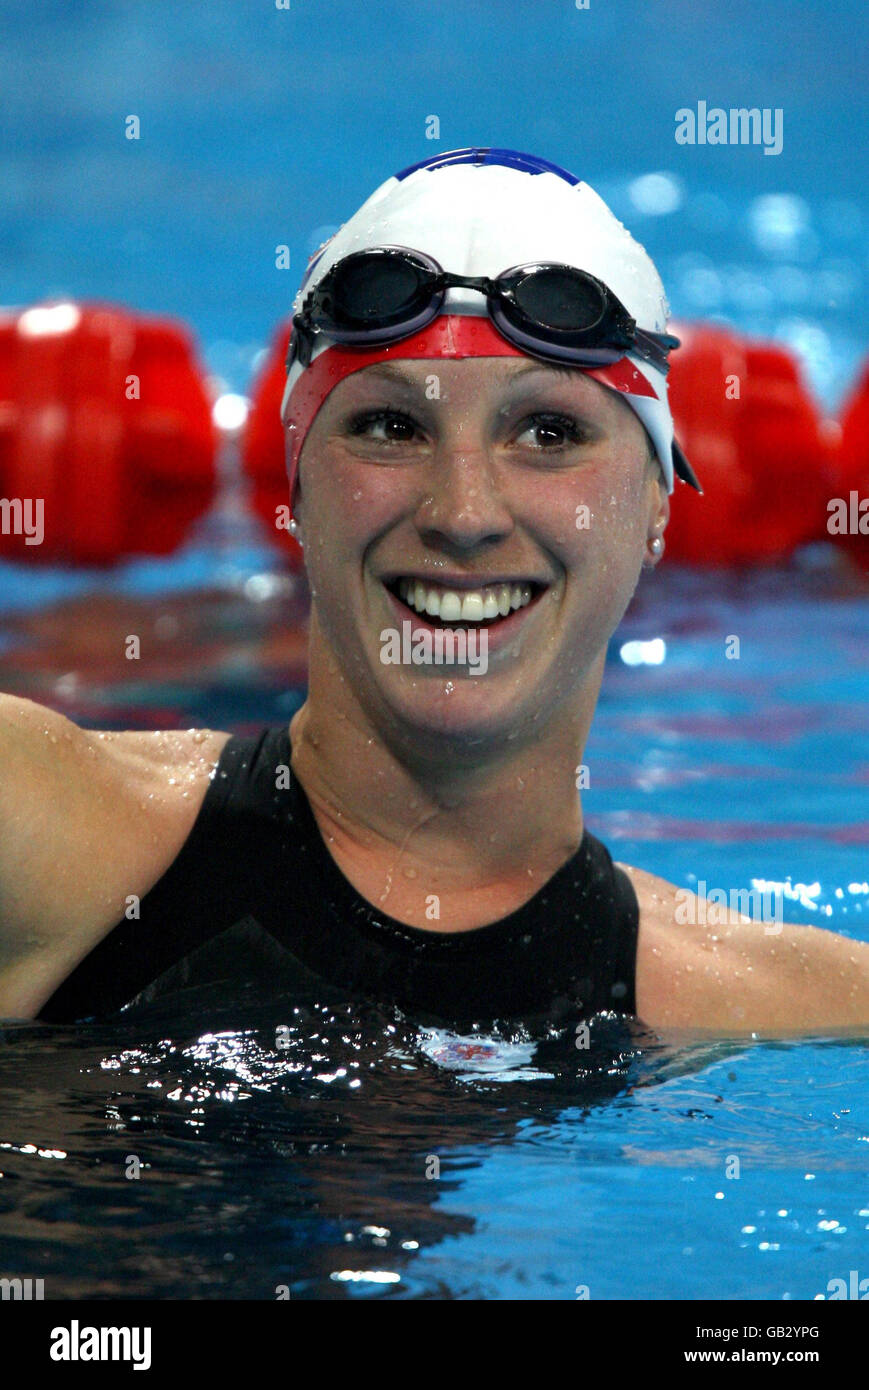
{"x":87,"y":818}
{"x":724,"y":961}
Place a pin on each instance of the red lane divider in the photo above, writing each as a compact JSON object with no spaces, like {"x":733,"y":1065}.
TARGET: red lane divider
{"x":743,"y":416}
{"x":754,"y":436}
{"x":262,"y":456}
{"x":852,"y":476}
{"x":105,"y":421}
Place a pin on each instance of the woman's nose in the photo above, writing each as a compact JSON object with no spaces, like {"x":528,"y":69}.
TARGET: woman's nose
{"x":463,"y":501}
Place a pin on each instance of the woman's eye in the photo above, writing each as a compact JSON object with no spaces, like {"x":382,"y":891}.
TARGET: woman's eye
{"x":547,"y":432}
{"x":395,"y":427}
{"x":551,"y":432}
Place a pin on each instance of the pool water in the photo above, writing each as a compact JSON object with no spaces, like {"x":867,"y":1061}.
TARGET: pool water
{"x":235,"y":1142}
{"x":310,"y":1165}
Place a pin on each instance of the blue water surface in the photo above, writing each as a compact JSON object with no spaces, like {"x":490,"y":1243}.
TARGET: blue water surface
{"x":373,"y":1157}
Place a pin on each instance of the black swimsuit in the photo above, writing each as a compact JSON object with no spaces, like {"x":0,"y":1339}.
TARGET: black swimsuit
{"x":255,"y":871}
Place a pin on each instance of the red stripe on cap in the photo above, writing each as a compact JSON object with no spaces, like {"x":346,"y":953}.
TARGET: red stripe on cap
{"x":449,"y":335}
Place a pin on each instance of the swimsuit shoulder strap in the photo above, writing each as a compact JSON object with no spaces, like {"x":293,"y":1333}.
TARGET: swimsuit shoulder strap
{"x":202,"y":892}
{"x":617,"y":964}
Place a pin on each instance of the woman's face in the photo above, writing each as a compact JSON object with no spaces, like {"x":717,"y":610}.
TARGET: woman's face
{"x":466,"y":475}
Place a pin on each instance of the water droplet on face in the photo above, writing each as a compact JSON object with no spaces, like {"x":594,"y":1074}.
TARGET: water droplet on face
{"x":410,"y":873}
{"x":357,"y":495}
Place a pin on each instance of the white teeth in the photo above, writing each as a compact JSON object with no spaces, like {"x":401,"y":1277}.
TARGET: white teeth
{"x":470,"y":606}
{"x":450,"y":606}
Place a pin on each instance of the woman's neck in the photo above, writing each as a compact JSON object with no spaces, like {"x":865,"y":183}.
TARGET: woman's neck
{"x":448,"y":842}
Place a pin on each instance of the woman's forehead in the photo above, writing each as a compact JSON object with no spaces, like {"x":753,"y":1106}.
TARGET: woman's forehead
{"x":498,"y":375}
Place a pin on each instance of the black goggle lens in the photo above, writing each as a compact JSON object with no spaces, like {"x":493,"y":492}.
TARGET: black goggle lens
{"x":558,"y":300}
{"x":373,"y":289}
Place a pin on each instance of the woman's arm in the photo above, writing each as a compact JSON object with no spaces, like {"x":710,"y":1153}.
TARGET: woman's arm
{"x":86,"y":820}
{"x":707,"y":968}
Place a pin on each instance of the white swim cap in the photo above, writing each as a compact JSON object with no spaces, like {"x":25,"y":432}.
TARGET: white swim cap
{"x":479,"y":212}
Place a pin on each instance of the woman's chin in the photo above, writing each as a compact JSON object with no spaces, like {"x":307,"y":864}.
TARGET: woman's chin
{"x":444,"y":703}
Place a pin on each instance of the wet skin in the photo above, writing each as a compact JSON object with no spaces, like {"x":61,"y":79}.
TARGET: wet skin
{"x":423,"y":780}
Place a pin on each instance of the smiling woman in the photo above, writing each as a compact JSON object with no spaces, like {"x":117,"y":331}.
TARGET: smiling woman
{"x":415,"y":836}
{"x":471,"y":498}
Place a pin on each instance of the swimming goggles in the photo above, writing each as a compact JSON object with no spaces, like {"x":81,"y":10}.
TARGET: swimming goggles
{"x":547,"y":309}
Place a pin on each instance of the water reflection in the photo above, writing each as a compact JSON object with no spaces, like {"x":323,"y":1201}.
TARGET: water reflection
{"x":308,"y":1144}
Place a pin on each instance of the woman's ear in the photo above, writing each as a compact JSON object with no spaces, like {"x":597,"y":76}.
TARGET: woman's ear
{"x":662,"y":514}
{"x":659,"y":515}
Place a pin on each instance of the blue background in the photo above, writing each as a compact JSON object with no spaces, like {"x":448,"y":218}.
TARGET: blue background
{"x":261,"y":127}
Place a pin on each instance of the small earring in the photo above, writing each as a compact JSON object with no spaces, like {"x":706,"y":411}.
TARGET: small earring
{"x":656,"y":546}
{"x":295,"y":530}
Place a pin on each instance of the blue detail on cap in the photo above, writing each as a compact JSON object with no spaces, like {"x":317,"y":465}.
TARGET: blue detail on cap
{"x":509,"y":159}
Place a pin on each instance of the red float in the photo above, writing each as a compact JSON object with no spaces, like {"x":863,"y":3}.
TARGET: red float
{"x":756,"y":441}
{"x":263,"y":457}
{"x":851,"y":490}
{"x":105,"y":422}
{"x":743,"y":416}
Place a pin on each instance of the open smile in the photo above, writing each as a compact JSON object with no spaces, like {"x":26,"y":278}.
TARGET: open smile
{"x":456,"y":605}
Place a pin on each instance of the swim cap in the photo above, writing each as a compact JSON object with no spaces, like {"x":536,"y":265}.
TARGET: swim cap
{"x":479,"y":212}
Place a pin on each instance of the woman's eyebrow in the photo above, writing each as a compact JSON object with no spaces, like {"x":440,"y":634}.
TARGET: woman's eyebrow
{"x":547,"y":367}
{"x":394,"y":373}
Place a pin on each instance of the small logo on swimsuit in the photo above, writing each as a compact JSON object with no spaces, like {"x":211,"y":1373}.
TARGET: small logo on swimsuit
{"x":482,"y":1058}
